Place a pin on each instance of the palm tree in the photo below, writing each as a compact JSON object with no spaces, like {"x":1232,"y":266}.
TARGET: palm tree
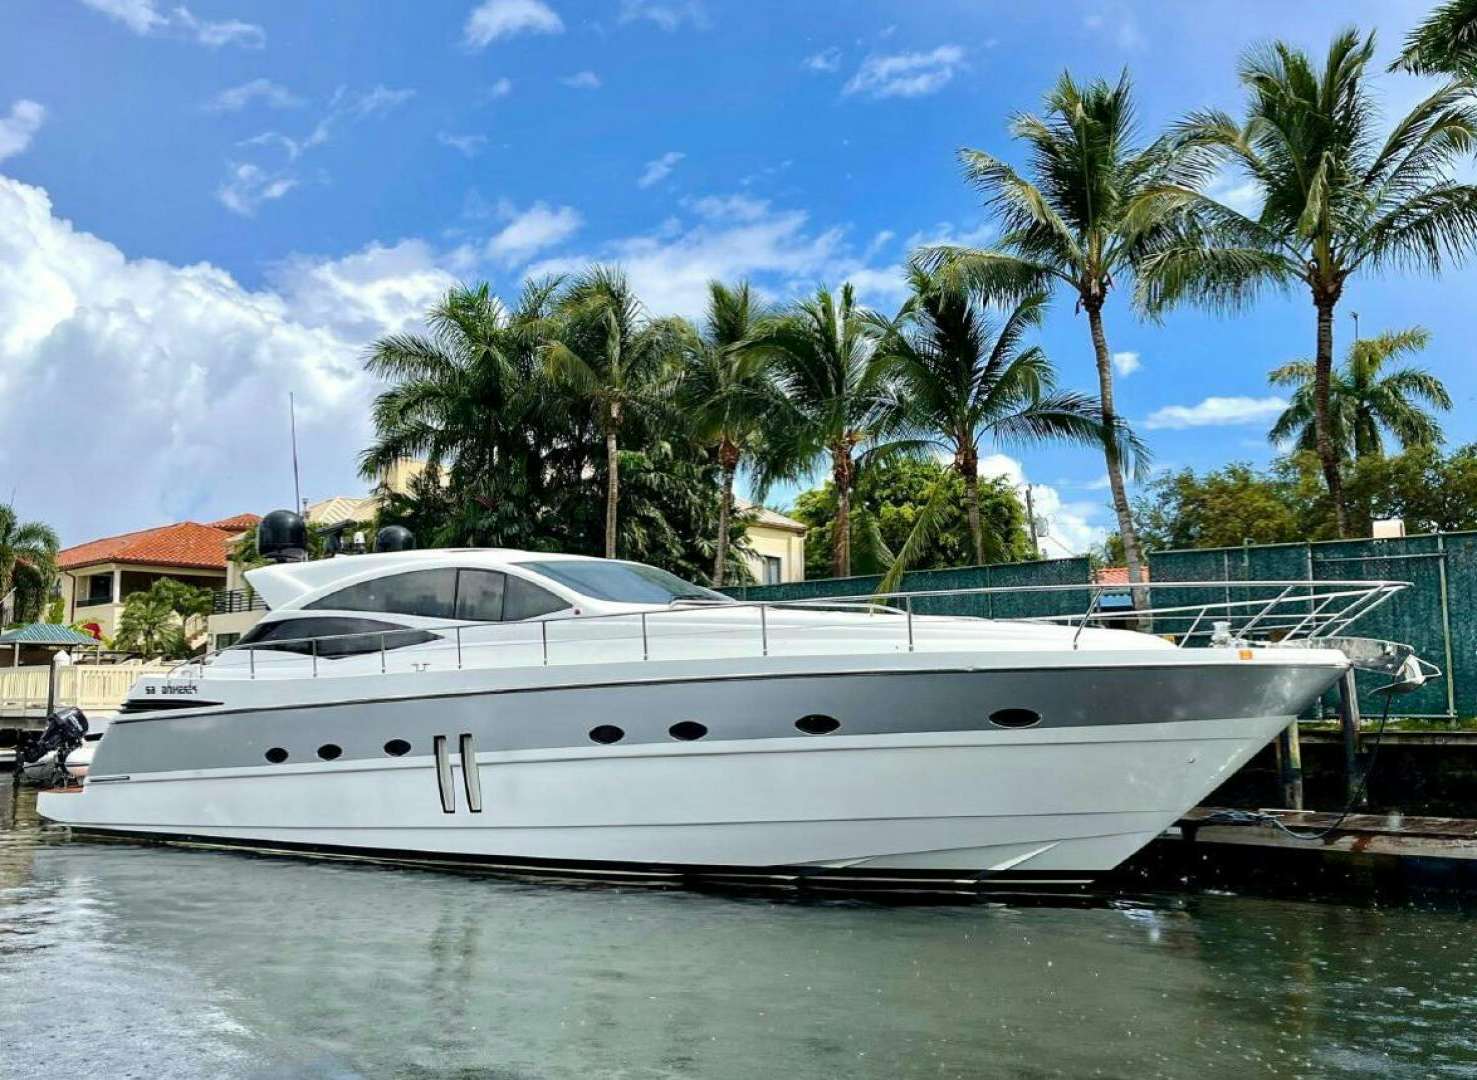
{"x":1445,"y":44}
{"x":1336,"y":199}
{"x":611,"y":355}
{"x":1364,"y":398}
{"x":965,"y":375}
{"x":836,"y":403}
{"x":1083,"y":219}
{"x":727,"y":394}
{"x":467,"y":393}
{"x":27,"y":561}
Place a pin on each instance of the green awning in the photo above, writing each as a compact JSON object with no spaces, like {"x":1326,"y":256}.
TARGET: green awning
{"x":41,"y":633}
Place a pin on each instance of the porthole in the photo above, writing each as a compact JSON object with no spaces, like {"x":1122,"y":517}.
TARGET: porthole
{"x":397,"y":748}
{"x":606,"y":734}
{"x":1015,"y":718}
{"x":276,"y":755}
{"x":817,"y":724}
{"x":328,"y":751}
{"x":687,"y":730}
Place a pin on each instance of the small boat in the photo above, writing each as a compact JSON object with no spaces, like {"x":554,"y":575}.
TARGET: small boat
{"x":564,"y":715}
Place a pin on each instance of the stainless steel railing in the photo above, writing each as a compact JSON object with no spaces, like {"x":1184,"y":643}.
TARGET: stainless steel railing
{"x":1294,"y":610}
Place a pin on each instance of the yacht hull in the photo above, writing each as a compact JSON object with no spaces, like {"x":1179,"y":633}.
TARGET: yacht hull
{"x":915,"y":785}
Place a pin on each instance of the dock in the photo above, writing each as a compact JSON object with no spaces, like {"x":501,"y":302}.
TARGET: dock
{"x":1388,"y":858}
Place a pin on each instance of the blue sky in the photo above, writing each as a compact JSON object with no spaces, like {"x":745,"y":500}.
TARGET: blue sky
{"x":203,"y":208}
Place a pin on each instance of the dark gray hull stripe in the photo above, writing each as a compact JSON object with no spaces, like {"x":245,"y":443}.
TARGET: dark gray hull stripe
{"x":169,"y":713}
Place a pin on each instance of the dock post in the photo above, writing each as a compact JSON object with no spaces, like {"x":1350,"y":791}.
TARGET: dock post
{"x":1290,"y":758}
{"x":1349,"y":728}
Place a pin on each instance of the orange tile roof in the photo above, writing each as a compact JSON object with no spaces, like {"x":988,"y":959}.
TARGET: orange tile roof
{"x":237,"y":524}
{"x":1114,"y":575}
{"x":186,"y":544}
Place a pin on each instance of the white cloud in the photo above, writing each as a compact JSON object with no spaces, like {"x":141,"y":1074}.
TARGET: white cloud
{"x":1126,"y":363}
{"x":470,"y":145}
{"x":734,"y":237}
{"x":16,"y":128}
{"x":181,"y":373}
{"x":1121,"y":23}
{"x":530,"y":231}
{"x":582,"y":80}
{"x":379,"y":100}
{"x":880,"y":241}
{"x":144,"y":18}
{"x":494,"y":19}
{"x":1065,"y":527}
{"x":266,"y":91}
{"x":826,"y":60}
{"x":499,"y":89}
{"x":668,"y":14}
{"x":1240,"y":194}
{"x":247,"y":186}
{"x":658,"y":170}
{"x":906,"y":74}
{"x":1217,"y":411}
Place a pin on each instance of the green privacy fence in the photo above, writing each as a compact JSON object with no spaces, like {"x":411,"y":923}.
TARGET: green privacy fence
{"x":1437,"y":615}
{"x":1006,"y":605}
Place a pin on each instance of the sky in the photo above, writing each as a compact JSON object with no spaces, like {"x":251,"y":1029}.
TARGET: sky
{"x":206,"y":208}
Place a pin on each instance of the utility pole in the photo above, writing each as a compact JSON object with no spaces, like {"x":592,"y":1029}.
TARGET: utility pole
{"x":1355,"y":314}
{"x":1031,"y":520}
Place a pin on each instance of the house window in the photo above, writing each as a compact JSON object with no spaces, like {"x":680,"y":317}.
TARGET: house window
{"x":99,"y":590}
{"x":773,"y":570}
{"x":225,"y":641}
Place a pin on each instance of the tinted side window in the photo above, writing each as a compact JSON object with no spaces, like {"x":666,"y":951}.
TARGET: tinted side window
{"x":431,"y":593}
{"x":364,"y":636}
{"x":479,"y":595}
{"x":522,"y":600}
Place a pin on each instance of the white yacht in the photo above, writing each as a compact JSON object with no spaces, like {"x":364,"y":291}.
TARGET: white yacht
{"x":561,"y":714}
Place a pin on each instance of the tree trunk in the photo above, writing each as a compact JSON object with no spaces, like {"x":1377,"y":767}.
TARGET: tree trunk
{"x":1322,"y":371}
{"x":1131,"y":553}
{"x":612,"y":488}
{"x":967,"y":463}
{"x":728,"y":458}
{"x":841,"y":540}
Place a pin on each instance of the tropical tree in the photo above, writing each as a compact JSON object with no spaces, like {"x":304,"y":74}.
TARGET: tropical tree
{"x":1364,"y":398}
{"x":610,"y":354}
{"x":470,"y":395}
{"x":163,"y":619}
{"x":966,"y":373}
{"x":1089,"y":209}
{"x":27,"y":562}
{"x":1445,"y":44}
{"x":1335,"y":199}
{"x":837,"y":401}
{"x":727,"y":394}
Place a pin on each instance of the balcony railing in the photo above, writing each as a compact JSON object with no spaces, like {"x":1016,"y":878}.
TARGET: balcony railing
{"x":232,"y":601}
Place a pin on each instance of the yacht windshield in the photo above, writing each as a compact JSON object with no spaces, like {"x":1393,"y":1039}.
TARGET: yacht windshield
{"x":623,"y":582}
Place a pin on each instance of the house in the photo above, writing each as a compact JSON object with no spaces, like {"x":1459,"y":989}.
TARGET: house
{"x":98,"y":576}
{"x":777,"y":543}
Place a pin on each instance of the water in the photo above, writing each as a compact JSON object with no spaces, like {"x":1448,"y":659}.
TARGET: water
{"x":135,"y":961}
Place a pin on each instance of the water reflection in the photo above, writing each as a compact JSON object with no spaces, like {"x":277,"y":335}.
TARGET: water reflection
{"x":147,"y":961}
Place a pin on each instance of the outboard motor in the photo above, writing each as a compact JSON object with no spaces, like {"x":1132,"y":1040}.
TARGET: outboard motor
{"x":63,"y":733}
{"x":282,"y":536}
{"x":394,"y":538}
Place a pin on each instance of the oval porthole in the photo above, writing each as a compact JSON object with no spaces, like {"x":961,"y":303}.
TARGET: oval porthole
{"x":1015,"y":718}
{"x":328,"y":751}
{"x":817,"y":724}
{"x":276,"y":755}
{"x":687,"y":730}
{"x":606,"y":734}
{"x":397,"y":748}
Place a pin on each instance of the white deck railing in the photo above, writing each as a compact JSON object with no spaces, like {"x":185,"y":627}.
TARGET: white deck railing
{"x":1243,"y":611}
{"x":91,"y":687}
